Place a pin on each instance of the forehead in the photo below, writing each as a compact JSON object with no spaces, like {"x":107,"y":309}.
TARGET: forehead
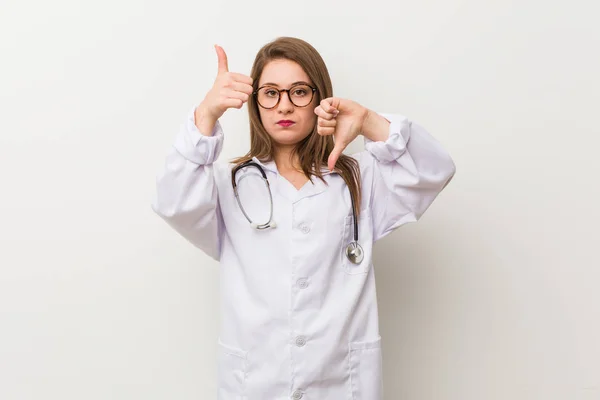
{"x":283,"y":73}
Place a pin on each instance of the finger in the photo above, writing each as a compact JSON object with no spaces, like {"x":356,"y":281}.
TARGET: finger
{"x":233,"y":94}
{"x":241,"y":78}
{"x":233,"y":103}
{"x":222,"y":59}
{"x":326,"y":123}
{"x":324,"y":131}
{"x":329,"y":105}
{"x":241,"y":87}
{"x":323,"y":114}
{"x":334,"y":155}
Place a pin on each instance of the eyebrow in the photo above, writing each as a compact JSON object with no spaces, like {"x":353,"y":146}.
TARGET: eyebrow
{"x":295,"y":83}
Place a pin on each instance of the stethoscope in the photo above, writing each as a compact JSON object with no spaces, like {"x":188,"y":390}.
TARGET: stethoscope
{"x":354,"y":251}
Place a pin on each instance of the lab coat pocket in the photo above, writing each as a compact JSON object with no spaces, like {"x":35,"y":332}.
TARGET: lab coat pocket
{"x":232,"y":366}
{"x":366,"y":370}
{"x":364,"y":240}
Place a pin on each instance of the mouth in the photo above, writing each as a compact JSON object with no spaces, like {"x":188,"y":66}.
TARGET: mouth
{"x":285,"y":123}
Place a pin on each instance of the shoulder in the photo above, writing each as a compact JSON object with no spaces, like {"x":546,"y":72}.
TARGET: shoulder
{"x":222,"y":170}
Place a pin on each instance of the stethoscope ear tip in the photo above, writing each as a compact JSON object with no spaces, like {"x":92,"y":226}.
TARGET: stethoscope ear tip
{"x":272,"y":224}
{"x":254,"y":225}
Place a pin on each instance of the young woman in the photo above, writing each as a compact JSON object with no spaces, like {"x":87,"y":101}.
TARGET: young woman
{"x":293,"y":223}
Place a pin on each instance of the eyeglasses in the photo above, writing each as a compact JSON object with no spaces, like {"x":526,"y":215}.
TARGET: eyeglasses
{"x":300,"y":95}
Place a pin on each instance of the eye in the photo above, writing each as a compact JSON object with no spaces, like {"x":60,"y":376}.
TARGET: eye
{"x":271,"y":92}
{"x":300,"y":92}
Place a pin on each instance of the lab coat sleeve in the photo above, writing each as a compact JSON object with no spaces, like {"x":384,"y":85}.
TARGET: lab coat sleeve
{"x":403,"y":174}
{"x":186,"y":193}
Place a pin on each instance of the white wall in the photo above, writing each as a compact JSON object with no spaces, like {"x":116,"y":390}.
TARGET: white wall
{"x":492,"y":295}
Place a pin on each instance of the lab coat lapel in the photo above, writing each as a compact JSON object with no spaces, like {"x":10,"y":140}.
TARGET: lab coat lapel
{"x":275,"y":180}
{"x":317,"y":186}
{"x":287,"y":190}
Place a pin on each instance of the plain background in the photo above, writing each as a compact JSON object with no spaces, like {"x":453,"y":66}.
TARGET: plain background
{"x":493,"y":295}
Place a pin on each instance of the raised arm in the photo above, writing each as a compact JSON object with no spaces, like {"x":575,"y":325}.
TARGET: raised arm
{"x":403,"y":168}
{"x":186,"y":193}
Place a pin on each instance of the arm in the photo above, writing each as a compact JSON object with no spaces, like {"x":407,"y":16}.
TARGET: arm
{"x":404,"y":169}
{"x":186,"y":194}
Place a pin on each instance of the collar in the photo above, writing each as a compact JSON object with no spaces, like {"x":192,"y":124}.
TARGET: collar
{"x":286,"y":189}
{"x":271,"y":166}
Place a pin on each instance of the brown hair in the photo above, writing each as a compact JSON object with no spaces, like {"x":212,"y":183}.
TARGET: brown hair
{"x":313,"y":151}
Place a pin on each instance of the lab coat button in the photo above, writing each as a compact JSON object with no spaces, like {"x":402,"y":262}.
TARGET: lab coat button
{"x":302,"y":283}
{"x":300,"y":341}
{"x":304,"y":228}
{"x":297,"y":395}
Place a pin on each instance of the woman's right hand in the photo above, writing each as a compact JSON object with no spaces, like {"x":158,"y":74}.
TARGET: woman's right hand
{"x":230,"y":90}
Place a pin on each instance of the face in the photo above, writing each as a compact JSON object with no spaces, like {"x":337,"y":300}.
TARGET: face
{"x":286,"y":123}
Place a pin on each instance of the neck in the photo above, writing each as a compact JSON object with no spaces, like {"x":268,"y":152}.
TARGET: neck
{"x":283,"y":159}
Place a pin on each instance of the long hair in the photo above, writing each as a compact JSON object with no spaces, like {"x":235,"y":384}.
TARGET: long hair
{"x":313,"y":151}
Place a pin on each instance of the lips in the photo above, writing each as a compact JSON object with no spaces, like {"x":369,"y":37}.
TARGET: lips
{"x":285,"y":123}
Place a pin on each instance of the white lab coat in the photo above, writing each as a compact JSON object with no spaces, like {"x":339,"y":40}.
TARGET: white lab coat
{"x":298,"y":320}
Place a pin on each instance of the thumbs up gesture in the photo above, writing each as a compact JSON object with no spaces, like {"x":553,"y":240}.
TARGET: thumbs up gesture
{"x":230,"y":90}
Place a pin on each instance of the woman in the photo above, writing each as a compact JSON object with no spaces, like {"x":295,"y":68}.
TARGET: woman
{"x":298,"y":303}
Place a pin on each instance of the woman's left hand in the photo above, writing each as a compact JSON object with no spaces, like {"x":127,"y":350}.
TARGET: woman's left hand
{"x":342,"y":118}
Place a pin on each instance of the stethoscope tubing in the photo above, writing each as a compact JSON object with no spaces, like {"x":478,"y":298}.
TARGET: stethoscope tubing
{"x":353,"y":250}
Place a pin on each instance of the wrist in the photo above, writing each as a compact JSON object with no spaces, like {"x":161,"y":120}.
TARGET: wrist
{"x":203,"y":111}
{"x":375,"y":127}
{"x":204,"y":120}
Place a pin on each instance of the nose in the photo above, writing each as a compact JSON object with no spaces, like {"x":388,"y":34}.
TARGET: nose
{"x":285,"y":106}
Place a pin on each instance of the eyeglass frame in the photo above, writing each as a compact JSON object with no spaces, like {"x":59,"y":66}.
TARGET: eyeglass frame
{"x":314,"y":90}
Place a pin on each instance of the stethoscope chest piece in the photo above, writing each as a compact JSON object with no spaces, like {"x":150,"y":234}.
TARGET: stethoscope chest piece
{"x":355,"y":253}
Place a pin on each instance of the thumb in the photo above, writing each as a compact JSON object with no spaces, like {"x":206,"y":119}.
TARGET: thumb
{"x":334,"y":155}
{"x":222,"y":57}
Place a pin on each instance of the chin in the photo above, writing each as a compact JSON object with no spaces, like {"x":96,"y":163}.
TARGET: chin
{"x":285,"y":141}
{"x":287,"y":137}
